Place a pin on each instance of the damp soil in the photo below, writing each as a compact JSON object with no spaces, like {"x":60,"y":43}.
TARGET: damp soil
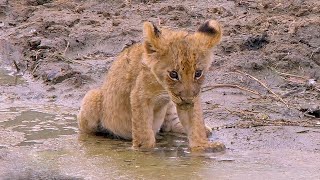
{"x":261,"y":96}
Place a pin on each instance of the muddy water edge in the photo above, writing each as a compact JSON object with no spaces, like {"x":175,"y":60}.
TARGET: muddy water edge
{"x":40,"y":140}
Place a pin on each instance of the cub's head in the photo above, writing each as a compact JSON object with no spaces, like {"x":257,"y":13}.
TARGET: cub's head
{"x":179,"y":60}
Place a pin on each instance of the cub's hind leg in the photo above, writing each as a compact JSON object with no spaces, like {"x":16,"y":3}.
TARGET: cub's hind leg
{"x":90,"y":111}
{"x":172,"y":123}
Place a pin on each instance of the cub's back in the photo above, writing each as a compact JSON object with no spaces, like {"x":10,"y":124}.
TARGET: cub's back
{"x":125,"y":68}
{"x":116,"y":90}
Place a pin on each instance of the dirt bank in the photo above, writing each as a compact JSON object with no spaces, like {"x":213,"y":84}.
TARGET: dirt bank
{"x":69,"y":45}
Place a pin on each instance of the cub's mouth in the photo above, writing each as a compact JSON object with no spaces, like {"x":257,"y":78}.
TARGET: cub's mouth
{"x":181,"y":103}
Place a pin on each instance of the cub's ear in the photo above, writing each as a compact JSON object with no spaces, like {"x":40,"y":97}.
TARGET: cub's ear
{"x":209,"y":34}
{"x":151,"y":37}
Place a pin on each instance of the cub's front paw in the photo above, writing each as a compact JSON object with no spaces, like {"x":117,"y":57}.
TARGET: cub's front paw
{"x":144,"y":145}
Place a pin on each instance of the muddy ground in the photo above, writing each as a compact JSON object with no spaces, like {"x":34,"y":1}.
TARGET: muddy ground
{"x":262,"y":92}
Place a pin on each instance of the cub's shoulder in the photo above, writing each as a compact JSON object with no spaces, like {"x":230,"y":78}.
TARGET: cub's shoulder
{"x":132,"y":52}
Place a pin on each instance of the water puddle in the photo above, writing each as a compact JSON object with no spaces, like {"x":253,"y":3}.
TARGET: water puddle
{"x":38,"y":126}
{"x":41,"y":141}
{"x":92,"y":157}
{"x":8,"y":78}
{"x":52,"y":148}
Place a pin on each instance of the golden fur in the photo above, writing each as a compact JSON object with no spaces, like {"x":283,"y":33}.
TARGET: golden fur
{"x":150,"y":84}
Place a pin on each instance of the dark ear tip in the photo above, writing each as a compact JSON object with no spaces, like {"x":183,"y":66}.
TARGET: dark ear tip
{"x":210,"y":27}
{"x":157,"y":32}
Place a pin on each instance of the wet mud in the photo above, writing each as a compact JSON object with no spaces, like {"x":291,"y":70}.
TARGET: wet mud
{"x":261,"y":96}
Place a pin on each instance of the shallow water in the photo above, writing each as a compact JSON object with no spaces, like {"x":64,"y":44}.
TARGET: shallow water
{"x":41,"y":141}
{"x":7,"y":77}
{"x":38,"y":126}
{"x":51,"y":147}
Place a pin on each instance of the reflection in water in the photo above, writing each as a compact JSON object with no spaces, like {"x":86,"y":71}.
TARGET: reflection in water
{"x":171,"y":158}
{"x":39,"y":126}
{"x":7,"y":79}
{"x":51,"y":145}
{"x":168,"y":146}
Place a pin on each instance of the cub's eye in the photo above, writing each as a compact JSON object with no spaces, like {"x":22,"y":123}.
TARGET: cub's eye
{"x":174,"y":75}
{"x":198,"y":74}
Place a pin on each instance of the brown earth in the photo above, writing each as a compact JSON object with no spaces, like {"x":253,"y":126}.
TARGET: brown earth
{"x":69,"y":46}
{"x":64,"y":48}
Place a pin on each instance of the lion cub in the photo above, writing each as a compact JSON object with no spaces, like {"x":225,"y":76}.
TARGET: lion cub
{"x":150,"y":83}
